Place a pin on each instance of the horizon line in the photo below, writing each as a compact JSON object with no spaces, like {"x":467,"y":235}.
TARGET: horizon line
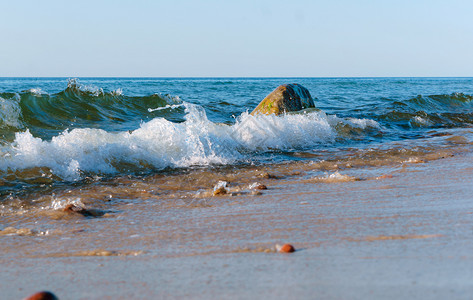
{"x":234,"y":77}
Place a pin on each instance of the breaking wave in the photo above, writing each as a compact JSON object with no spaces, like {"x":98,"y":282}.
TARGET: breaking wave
{"x":83,"y":130}
{"x":160,"y":143}
{"x":77,"y":106}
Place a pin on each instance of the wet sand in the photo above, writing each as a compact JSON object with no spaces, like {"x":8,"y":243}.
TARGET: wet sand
{"x":398,"y":231}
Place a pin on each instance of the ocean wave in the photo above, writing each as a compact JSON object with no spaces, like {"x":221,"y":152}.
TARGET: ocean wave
{"x":85,"y":130}
{"x":79,"y":106}
{"x":160,"y":143}
{"x":87,"y":106}
{"x":431,"y":111}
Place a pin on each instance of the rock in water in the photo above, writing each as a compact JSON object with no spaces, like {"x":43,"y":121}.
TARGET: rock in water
{"x":285,"y":98}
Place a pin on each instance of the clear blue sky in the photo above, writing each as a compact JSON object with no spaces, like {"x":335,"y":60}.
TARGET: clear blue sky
{"x":236,"y":38}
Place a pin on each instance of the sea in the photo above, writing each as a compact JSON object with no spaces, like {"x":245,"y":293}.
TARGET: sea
{"x":114,"y":188}
{"x":96,"y":140}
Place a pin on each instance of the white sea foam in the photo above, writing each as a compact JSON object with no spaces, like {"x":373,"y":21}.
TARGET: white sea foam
{"x":160,"y":143}
{"x":169,"y":106}
{"x":74,"y":83}
{"x":361,"y":123}
{"x":117,"y":92}
{"x":418,"y":121}
{"x":263,"y":132}
{"x":334,"y":177}
{"x":37,"y":91}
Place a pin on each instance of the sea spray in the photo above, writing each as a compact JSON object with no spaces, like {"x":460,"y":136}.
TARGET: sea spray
{"x":160,"y":143}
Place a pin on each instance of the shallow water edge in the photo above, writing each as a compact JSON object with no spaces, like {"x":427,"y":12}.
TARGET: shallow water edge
{"x":403,"y":233}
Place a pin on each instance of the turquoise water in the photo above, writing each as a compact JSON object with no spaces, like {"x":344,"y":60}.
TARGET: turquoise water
{"x":59,"y":131}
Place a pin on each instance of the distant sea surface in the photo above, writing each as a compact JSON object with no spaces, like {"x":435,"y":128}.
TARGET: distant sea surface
{"x":58,"y":134}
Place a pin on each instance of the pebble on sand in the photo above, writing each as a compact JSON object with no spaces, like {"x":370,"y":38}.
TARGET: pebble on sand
{"x":220,"y":191}
{"x":42,"y":296}
{"x":75,"y":209}
{"x":261,"y":187}
{"x":220,"y":188}
{"x":286,"y":248}
{"x":266,"y":175}
{"x":257,"y":186}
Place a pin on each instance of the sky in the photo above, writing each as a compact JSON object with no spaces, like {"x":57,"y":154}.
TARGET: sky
{"x":244,"y":38}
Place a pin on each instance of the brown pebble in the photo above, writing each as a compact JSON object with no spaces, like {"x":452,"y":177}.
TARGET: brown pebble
{"x":287,"y":248}
{"x":71,"y":208}
{"x":74,"y":209}
{"x":220,"y":191}
{"x":261,"y":187}
{"x":42,"y":296}
{"x":266,"y":175}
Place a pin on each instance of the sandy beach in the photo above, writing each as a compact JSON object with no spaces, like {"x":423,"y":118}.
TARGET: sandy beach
{"x":402,"y":233}
{"x":168,"y":150}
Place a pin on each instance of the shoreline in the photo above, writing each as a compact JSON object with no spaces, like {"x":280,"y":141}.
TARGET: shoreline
{"x":402,"y":235}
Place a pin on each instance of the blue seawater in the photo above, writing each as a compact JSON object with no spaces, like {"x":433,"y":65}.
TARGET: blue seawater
{"x":65,"y":130}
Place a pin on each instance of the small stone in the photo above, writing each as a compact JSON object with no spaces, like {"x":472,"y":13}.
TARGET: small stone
{"x":266,"y":175}
{"x":220,"y":191}
{"x":70,"y":208}
{"x":220,"y":188}
{"x":257,"y":186}
{"x":286,"y":248}
{"x":75,"y":209}
{"x":42,"y":296}
{"x":261,"y":187}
